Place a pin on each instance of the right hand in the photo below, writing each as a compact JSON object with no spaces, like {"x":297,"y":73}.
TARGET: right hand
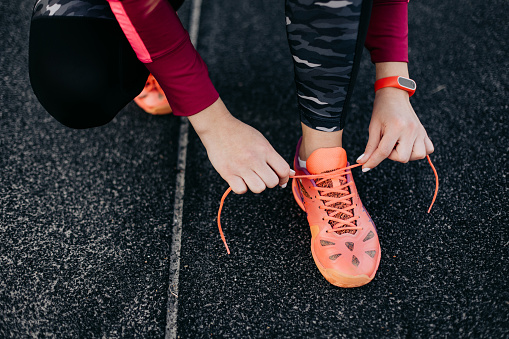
{"x":238,"y":152}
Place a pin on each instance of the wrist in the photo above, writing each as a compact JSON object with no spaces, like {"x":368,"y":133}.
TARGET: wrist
{"x":392,"y":92}
{"x":211,"y":118}
{"x":398,"y":82}
{"x":389,"y":69}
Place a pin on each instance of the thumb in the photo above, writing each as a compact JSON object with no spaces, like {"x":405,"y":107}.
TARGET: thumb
{"x":372,"y":145}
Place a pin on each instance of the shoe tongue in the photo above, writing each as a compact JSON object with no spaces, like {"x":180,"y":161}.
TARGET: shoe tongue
{"x":326,"y":160}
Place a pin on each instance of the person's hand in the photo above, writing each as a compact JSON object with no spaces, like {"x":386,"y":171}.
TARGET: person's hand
{"x":395,"y":131}
{"x":238,"y":152}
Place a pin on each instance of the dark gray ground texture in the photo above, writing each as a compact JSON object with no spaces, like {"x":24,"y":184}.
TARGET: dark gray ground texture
{"x":86,"y":216}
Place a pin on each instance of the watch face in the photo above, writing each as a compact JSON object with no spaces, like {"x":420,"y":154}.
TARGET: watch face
{"x":407,"y":83}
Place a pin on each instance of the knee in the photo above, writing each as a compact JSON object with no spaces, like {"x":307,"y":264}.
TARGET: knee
{"x":86,"y":73}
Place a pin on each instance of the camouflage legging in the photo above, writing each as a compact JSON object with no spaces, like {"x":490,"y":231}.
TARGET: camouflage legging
{"x":326,"y":38}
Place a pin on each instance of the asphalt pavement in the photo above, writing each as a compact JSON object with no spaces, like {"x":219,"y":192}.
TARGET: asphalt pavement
{"x":86,"y":216}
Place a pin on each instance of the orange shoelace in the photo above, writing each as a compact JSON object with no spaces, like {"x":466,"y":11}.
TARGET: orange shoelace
{"x":342,"y":224}
{"x":337,"y":201}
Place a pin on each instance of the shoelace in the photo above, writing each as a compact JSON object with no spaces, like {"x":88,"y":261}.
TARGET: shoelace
{"x":346,"y":224}
{"x":331,"y":202}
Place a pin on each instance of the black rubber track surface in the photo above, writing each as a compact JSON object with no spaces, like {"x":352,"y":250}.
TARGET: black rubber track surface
{"x":86,"y":216}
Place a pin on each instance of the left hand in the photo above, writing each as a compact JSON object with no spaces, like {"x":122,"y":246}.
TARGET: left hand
{"x":395,"y":131}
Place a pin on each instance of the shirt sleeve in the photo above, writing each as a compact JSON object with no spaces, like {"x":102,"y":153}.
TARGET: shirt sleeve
{"x":387,"y":38}
{"x":163,"y":45}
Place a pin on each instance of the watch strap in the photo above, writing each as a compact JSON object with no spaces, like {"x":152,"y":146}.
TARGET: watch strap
{"x":400,"y":82}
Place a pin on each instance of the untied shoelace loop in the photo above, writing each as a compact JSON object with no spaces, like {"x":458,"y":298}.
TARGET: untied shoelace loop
{"x":328,"y":175}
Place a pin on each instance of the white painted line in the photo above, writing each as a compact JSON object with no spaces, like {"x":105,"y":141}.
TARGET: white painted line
{"x":172,"y":306}
{"x":195,"y":22}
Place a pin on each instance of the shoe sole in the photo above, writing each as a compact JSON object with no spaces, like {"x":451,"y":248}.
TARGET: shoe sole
{"x":158,"y":110}
{"x":334,"y":277}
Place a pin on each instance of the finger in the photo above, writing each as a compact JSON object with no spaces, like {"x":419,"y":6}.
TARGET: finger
{"x":373,"y":141}
{"x":237,"y":184}
{"x":292,"y":173}
{"x":419,"y":150}
{"x":254,"y":182}
{"x":403,"y":150}
{"x":384,"y":149}
{"x":268,"y":176}
{"x":280,"y":166}
{"x":429,"y":145}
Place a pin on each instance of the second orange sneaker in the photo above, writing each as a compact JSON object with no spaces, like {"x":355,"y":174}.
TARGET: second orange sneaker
{"x":344,"y":240}
{"x":152,"y":99}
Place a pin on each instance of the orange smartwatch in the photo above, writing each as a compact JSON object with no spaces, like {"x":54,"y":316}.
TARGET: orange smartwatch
{"x":403,"y":83}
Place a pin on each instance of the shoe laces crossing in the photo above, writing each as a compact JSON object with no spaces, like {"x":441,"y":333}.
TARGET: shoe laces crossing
{"x":337,"y":201}
{"x":343,"y":204}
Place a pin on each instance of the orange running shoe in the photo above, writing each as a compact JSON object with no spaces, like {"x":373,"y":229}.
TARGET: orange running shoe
{"x":152,"y":99}
{"x":344,"y":240}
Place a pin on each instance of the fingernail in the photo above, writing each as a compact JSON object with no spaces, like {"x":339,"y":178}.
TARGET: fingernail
{"x":292,"y":172}
{"x":361,"y":156}
{"x":284,"y":185}
{"x":365,"y":169}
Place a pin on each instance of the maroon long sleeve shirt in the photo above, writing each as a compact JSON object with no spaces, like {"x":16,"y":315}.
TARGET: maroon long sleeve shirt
{"x":163,"y":45}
